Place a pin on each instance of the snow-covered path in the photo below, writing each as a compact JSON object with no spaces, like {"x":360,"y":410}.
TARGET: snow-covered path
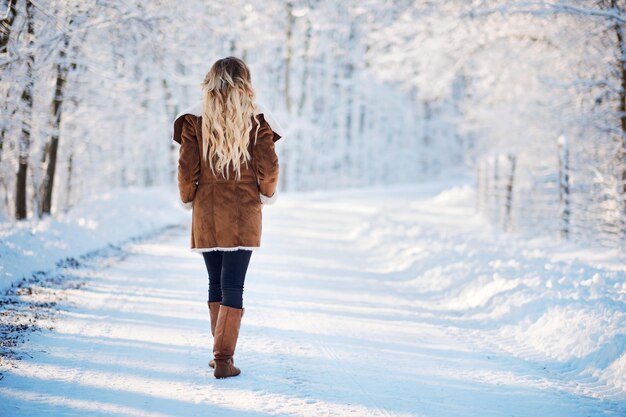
{"x":395,"y":302}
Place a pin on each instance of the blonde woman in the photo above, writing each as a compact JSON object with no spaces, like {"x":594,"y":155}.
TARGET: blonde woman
{"x":227,"y":170}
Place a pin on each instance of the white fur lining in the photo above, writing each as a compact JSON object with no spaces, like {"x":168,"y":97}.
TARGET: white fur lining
{"x":196,"y":110}
{"x":269,"y":200}
{"x":200,"y":250}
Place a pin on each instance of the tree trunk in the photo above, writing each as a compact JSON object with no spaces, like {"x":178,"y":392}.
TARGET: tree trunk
{"x":51,"y":155}
{"x":27,"y":115}
{"x":289,"y":52}
{"x":621,"y":43}
{"x":5,"y":34}
{"x":7,"y":22}
{"x":68,"y":182}
{"x":305,"y":72}
{"x":171,"y":109}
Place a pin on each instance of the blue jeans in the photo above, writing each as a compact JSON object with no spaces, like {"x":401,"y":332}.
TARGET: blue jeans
{"x":227,"y":273}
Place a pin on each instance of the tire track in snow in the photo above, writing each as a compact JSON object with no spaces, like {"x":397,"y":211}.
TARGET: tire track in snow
{"x":377,"y":408}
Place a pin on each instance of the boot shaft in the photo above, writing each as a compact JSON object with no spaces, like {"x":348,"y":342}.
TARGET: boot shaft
{"x":214,"y":308}
{"x":226,"y":332}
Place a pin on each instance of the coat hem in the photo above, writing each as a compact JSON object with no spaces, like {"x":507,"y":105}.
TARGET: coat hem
{"x":227,"y":249}
{"x":269,"y":200}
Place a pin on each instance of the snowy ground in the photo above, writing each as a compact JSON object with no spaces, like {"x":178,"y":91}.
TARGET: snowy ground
{"x":380,"y":302}
{"x":109,"y":218}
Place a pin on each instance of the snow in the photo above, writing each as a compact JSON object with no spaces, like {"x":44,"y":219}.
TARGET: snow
{"x":110,"y":218}
{"x":384,"y":301}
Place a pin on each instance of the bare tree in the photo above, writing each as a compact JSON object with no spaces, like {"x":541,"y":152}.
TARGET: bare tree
{"x":26,"y":113}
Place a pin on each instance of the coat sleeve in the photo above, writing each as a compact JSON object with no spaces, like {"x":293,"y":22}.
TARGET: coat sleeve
{"x":188,"y":162}
{"x":265,"y":163}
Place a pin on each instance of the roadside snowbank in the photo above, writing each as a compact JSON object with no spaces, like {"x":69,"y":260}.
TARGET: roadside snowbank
{"x":555,"y":303}
{"x":110,"y":218}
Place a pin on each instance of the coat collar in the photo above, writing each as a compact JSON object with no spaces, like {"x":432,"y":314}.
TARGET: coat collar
{"x":196,"y":110}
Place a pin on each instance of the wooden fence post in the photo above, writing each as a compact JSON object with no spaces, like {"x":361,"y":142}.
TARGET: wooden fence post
{"x":487,"y":187}
{"x":496,"y":192}
{"x":509,"y":191}
{"x":479,"y":187}
{"x":564,"y":187}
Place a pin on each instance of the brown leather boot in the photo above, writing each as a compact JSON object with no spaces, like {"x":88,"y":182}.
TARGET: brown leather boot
{"x":225,"y":341}
{"x":214,"y":308}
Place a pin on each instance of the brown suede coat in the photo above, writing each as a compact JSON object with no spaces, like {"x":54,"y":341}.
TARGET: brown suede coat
{"x":227,"y":213}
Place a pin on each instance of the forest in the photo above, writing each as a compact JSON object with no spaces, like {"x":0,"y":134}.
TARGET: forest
{"x":525,"y":98}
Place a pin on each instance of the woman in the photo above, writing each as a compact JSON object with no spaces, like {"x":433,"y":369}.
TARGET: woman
{"x":227,"y":169}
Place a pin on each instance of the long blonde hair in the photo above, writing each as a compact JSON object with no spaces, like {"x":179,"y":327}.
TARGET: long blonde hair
{"x":227,"y":111}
